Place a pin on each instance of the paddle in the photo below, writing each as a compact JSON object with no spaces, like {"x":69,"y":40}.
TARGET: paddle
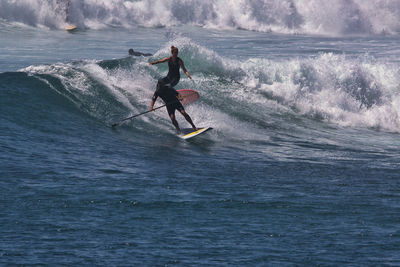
{"x":131,"y":117}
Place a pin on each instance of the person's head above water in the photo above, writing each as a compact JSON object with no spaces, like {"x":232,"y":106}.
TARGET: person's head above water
{"x":174,"y":51}
{"x":131,"y":52}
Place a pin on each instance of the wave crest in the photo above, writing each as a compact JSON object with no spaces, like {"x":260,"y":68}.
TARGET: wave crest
{"x":281,"y":16}
{"x":355,"y":92}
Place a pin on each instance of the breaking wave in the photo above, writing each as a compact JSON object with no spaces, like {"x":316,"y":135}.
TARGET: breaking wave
{"x":322,"y":17}
{"x":350,"y":92}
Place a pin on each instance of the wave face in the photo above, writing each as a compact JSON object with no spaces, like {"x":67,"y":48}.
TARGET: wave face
{"x":253,"y":93}
{"x":325,"y":17}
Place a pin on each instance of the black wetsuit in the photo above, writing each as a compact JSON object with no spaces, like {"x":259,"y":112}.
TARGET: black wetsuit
{"x":170,"y":97}
{"x":173,"y":75}
{"x":166,"y":90}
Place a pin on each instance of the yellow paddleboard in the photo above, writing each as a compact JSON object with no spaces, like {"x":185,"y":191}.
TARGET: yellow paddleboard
{"x":189,"y":132}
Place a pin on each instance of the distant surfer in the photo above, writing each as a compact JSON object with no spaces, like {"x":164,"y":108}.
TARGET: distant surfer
{"x":166,"y":91}
{"x":63,"y":7}
{"x":138,"y":54}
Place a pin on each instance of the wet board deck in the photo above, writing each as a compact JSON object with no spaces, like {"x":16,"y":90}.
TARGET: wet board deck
{"x":189,"y":132}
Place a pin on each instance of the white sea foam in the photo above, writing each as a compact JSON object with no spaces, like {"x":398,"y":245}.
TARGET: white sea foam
{"x":348,"y":91}
{"x":281,"y":16}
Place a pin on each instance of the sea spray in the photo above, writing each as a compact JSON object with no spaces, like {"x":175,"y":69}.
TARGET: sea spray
{"x":321,"y":17}
{"x":348,"y":91}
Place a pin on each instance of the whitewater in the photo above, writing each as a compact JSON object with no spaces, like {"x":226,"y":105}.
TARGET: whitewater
{"x":301,"y":167}
{"x":287,"y":16}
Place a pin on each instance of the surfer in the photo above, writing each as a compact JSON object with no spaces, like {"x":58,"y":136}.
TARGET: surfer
{"x":166,"y":91}
{"x":138,"y":54}
{"x":174,"y":64}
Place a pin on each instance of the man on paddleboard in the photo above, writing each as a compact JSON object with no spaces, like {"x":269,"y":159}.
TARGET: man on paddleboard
{"x":166,"y":91}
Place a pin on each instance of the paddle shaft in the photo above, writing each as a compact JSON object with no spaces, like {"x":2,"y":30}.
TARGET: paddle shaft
{"x":131,"y":117}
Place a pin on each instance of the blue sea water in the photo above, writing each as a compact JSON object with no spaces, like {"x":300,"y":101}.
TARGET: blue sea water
{"x":301,"y":168}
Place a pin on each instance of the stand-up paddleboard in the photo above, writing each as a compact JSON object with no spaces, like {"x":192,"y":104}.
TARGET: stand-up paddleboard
{"x":188,"y":133}
{"x":189,"y":96}
{"x":70,"y":28}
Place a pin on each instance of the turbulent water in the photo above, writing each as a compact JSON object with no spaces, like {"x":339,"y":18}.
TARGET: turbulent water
{"x":301,"y":167}
{"x":282,"y":16}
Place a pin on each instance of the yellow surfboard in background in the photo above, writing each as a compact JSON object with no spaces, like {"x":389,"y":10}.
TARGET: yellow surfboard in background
{"x":70,"y":28}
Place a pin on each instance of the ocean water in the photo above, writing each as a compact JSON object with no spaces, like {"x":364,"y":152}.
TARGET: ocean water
{"x":302,"y":167}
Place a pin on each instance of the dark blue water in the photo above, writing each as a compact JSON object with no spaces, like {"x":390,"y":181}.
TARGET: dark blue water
{"x":301,"y":168}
